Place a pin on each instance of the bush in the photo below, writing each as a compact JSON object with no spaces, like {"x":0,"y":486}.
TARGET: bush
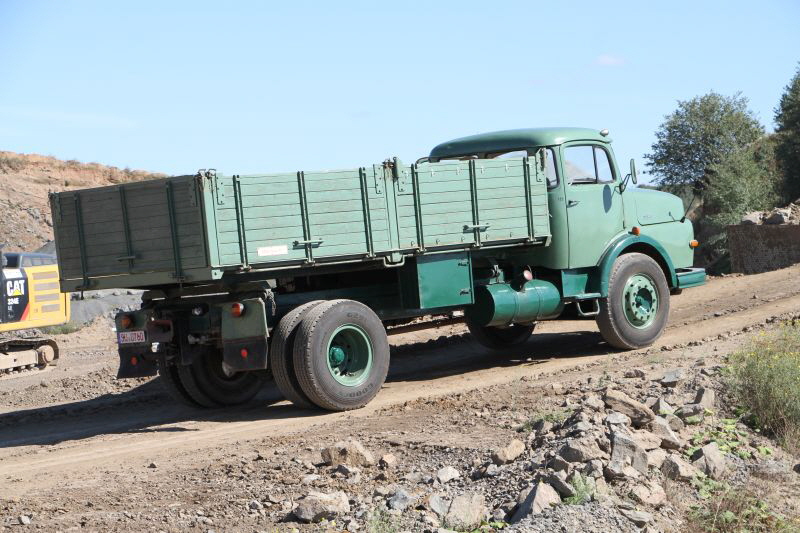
{"x":765,"y":378}
{"x":745,"y":180}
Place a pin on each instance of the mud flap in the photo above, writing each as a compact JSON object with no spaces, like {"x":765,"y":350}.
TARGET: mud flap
{"x":133,"y":365}
{"x":245,"y":354}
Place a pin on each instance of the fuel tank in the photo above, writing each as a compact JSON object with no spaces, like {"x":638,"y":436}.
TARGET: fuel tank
{"x":500,"y":304}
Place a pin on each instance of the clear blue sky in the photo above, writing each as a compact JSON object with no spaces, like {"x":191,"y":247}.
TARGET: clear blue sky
{"x":268,"y":86}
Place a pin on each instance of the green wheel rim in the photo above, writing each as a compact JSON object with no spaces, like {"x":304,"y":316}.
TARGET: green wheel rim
{"x":349,"y":355}
{"x":640,"y":301}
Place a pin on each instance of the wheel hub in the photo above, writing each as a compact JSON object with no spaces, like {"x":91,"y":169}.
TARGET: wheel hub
{"x":336,"y":355}
{"x":349,"y":355}
{"x":640,"y":300}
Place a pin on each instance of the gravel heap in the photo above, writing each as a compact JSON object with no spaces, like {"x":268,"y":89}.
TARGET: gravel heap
{"x":779,"y":215}
{"x":608,"y":465}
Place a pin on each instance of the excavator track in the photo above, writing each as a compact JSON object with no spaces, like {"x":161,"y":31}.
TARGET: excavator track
{"x":23,"y":355}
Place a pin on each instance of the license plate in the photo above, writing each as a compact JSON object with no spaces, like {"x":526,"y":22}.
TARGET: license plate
{"x":130,"y":337}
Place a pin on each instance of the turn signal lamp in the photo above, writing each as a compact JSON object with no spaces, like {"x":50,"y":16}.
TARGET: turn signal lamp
{"x":237,"y":309}
{"x":125,"y":321}
{"x":635,"y":230}
{"x":693,"y":244}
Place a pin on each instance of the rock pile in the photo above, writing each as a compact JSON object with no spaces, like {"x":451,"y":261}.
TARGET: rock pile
{"x":779,"y":215}
{"x":612,"y":457}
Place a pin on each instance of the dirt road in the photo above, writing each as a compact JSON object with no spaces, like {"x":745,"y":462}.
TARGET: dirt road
{"x":76,"y":427}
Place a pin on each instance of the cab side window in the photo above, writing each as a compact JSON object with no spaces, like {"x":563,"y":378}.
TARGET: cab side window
{"x":550,"y":173}
{"x":587,"y":164}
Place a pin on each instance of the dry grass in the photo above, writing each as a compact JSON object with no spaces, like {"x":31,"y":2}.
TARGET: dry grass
{"x":765,"y":379}
{"x":736,"y":511}
{"x":48,"y":166}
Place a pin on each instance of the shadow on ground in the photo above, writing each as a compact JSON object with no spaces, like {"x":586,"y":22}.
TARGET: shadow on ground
{"x":148,"y":409}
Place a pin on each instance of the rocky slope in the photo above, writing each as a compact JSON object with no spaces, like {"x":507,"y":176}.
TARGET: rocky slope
{"x":25,"y":181}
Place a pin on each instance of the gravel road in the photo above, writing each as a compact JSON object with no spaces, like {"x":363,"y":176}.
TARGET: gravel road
{"x":73,"y":438}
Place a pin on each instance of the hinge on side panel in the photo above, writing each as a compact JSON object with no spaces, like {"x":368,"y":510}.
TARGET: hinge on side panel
{"x":55,"y":202}
{"x":193,"y":193}
{"x":377,"y":173}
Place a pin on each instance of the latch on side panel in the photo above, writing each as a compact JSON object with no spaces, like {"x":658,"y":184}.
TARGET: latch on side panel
{"x":218,"y":185}
{"x":394,"y":170}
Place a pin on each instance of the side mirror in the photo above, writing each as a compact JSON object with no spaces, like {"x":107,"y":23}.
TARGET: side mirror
{"x":634,"y":178}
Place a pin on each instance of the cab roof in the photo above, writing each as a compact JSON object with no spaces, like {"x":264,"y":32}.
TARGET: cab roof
{"x":498,"y":141}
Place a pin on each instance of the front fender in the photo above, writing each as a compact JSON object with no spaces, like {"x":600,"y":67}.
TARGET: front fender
{"x":634,"y":243}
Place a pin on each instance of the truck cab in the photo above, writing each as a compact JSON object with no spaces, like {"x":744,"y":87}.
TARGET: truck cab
{"x":595,"y":212}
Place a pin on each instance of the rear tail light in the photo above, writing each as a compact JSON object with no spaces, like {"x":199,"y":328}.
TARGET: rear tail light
{"x":125,"y":321}
{"x":237,"y":309}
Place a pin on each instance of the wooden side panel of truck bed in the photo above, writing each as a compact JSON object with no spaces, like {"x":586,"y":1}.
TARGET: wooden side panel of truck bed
{"x":189,"y":229}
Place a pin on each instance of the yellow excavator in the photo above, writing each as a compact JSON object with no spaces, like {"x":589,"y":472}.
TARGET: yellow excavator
{"x":30,"y":297}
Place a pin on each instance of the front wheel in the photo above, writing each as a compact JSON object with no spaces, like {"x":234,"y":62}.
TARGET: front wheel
{"x":635,"y":313}
{"x":501,"y":338}
{"x":341,"y":355}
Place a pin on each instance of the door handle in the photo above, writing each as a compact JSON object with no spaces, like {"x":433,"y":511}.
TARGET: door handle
{"x":573,"y":203}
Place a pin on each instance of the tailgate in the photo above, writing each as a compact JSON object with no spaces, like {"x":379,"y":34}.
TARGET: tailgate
{"x":143,"y":227}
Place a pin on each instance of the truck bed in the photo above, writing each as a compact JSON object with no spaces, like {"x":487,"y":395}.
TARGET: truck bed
{"x":195,"y":229}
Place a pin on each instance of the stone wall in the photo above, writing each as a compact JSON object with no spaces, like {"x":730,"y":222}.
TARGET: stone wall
{"x":757,"y":248}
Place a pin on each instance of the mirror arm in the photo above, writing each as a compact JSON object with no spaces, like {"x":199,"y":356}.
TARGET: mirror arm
{"x":624,"y":184}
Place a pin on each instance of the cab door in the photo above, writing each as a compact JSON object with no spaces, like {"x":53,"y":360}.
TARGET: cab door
{"x":593,"y":200}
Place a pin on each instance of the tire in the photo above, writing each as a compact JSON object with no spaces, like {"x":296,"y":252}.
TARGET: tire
{"x":501,"y":338}
{"x":636,"y":310}
{"x":168,"y":375}
{"x":281,"y":358}
{"x":341,"y":355}
{"x":209,"y":386}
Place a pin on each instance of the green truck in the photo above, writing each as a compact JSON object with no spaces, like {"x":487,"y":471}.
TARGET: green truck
{"x":300,"y":275}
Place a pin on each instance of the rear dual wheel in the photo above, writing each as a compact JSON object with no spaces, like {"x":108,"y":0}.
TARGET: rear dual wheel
{"x":341,"y":355}
{"x":332,"y":354}
{"x":207,"y":382}
{"x":281,"y":359}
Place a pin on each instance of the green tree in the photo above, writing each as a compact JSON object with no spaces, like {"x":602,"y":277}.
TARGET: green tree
{"x":787,"y":118}
{"x":746,"y":180}
{"x":699,"y":135}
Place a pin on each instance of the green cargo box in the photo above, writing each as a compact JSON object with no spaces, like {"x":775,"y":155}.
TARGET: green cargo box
{"x":195,"y":229}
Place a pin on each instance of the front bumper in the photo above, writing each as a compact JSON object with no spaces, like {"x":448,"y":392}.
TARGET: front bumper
{"x":690,"y":277}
